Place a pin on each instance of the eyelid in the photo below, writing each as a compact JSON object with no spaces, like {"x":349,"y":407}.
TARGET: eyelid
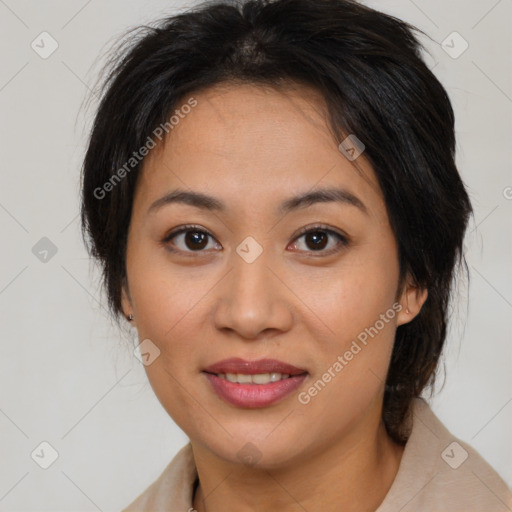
{"x":321,"y":227}
{"x":185,"y":228}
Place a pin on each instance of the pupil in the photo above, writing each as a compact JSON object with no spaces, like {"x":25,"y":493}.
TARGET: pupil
{"x":195,"y":239}
{"x":319,"y":240}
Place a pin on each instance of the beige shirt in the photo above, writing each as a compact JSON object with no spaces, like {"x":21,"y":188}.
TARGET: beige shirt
{"x":437,"y":473}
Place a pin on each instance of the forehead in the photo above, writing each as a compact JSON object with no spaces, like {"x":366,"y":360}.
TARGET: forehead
{"x":254,"y":144}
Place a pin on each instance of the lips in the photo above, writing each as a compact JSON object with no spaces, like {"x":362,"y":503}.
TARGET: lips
{"x":237,"y":365}
{"x":285,"y":378}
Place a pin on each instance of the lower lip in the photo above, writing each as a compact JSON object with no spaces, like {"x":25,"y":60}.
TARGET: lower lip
{"x":254,"y":395}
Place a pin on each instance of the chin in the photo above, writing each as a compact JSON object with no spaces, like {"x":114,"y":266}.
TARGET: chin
{"x":254,"y":447}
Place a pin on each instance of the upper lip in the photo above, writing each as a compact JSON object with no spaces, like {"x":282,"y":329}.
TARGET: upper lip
{"x":237,"y":365}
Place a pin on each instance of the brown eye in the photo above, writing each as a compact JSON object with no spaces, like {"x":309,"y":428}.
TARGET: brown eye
{"x":189,"y":239}
{"x":321,"y":240}
{"x":196,"y":240}
{"x":316,"y":240}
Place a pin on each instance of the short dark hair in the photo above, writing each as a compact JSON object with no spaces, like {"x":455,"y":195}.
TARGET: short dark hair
{"x":368,"y":67}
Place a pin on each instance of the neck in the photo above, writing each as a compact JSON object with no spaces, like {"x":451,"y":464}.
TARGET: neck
{"x":353,"y":474}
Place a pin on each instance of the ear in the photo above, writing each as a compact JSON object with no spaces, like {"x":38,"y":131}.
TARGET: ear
{"x":411,"y":299}
{"x":126,"y":301}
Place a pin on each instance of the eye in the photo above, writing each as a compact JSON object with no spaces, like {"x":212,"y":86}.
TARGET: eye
{"x":190,"y":239}
{"x":320,"y":239}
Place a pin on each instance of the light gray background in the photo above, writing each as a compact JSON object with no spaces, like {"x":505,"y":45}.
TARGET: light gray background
{"x":69,"y":377}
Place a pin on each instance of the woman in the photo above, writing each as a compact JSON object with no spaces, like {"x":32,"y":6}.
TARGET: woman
{"x":271,"y":190}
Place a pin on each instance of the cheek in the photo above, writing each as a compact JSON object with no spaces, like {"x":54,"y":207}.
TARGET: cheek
{"x":163,"y":295}
{"x":355,"y":302}
{"x":352,"y":296}
{"x":167,"y":306}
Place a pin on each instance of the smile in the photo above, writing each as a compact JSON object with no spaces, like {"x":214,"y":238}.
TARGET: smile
{"x":254,"y":383}
{"x":259,"y":378}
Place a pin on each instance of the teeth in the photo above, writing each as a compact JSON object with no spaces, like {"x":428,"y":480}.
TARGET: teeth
{"x":259,"y":378}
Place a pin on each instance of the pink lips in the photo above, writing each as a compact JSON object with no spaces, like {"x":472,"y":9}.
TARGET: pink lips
{"x":237,"y":365}
{"x":254,"y":395}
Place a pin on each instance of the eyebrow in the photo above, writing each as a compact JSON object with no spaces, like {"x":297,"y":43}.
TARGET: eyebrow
{"x":206,"y":202}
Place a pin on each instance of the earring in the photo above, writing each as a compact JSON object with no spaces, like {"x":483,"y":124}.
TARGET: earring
{"x":407,"y":310}
{"x":129,"y":317}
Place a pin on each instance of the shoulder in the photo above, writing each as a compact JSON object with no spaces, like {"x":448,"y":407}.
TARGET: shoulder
{"x":173,"y":489}
{"x":439,"y":473}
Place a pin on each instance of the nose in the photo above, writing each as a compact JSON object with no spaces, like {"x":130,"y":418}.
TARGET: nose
{"x":252,"y":300}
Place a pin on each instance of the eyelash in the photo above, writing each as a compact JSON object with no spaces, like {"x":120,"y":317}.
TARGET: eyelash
{"x":343,"y":240}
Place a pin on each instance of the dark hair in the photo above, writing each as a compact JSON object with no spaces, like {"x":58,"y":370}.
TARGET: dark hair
{"x":368,"y":67}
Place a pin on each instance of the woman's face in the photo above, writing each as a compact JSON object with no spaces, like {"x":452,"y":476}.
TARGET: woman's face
{"x":245,"y":282}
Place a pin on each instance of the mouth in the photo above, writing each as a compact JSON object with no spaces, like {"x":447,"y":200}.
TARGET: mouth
{"x":258,"y":378}
{"x":253,"y":384}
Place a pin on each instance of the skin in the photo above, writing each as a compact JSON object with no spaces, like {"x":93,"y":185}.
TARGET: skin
{"x":252,"y":148}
